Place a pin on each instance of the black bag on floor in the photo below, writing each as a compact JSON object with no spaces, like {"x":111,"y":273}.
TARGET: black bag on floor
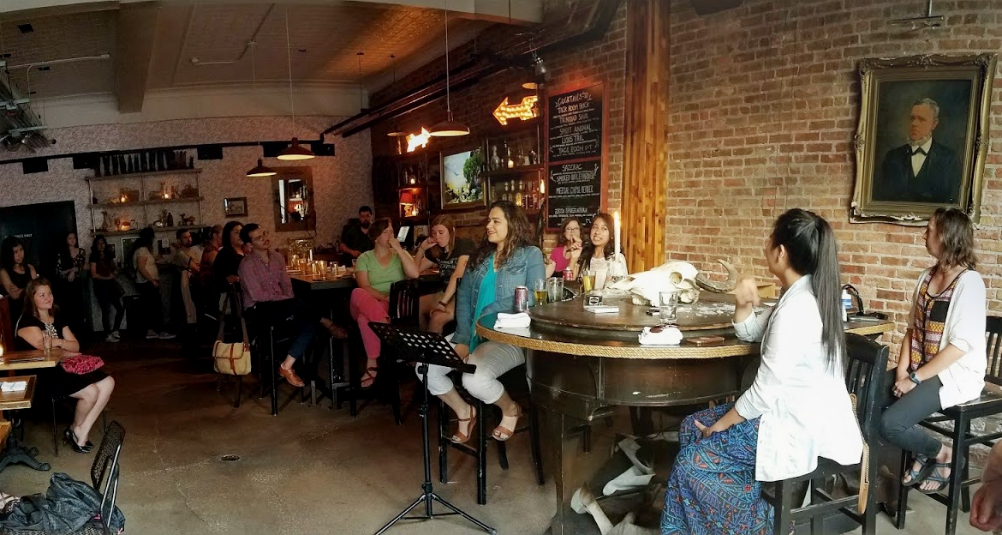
{"x":67,"y":506}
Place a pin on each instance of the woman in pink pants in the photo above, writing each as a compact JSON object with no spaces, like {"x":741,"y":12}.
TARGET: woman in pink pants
{"x":375,"y":272}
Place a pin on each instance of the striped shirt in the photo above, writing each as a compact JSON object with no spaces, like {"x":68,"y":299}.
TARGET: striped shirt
{"x":930,"y":321}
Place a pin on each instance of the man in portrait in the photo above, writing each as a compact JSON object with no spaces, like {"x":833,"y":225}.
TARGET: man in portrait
{"x":923,"y":169}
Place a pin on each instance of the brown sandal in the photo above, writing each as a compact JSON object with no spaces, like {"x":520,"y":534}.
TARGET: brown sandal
{"x":369,"y":375}
{"x":501,"y":433}
{"x":460,"y":438}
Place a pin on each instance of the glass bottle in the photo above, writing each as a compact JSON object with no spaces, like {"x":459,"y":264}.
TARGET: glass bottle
{"x":518,"y":195}
{"x":507,"y":189}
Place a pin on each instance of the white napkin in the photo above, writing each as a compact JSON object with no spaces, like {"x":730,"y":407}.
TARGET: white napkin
{"x":13,"y":386}
{"x":512,"y":321}
{"x":669,"y":336}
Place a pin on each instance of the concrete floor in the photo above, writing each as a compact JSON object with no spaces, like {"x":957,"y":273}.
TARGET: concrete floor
{"x":308,"y":471}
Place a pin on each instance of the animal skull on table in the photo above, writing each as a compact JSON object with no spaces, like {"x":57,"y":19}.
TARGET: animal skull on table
{"x":674,"y":276}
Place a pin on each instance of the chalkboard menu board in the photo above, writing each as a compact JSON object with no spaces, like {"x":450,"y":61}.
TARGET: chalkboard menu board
{"x":575,"y":124}
{"x":575,"y":190}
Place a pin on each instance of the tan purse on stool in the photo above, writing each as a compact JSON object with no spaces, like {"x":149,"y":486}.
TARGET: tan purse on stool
{"x":235,"y":358}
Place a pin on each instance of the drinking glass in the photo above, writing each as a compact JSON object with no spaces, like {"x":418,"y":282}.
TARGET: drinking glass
{"x":539,"y":289}
{"x":555,"y":290}
{"x":588,"y":281}
{"x":601,"y":276}
{"x":669,"y":306}
{"x":46,"y":343}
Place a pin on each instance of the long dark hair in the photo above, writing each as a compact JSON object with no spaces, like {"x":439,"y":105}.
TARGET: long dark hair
{"x":811,"y":250}
{"x":29,"y":298}
{"x":588,"y":248}
{"x":96,"y":254}
{"x":227,"y":230}
{"x":7,"y":253}
{"x":956,"y":232}
{"x":519,"y":235}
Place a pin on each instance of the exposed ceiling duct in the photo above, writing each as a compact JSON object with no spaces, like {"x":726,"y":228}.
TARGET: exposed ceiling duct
{"x":21,"y":127}
{"x":583,"y":21}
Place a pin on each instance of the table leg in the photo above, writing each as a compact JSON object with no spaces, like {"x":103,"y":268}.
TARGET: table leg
{"x":15,"y":452}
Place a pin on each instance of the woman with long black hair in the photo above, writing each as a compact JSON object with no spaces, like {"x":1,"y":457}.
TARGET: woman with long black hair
{"x":15,"y":274}
{"x":107,"y":290}
{"x":798,"y":408}
{"x":599,"y":250}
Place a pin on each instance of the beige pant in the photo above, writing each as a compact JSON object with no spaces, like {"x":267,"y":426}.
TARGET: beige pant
{"x":190,"y":313}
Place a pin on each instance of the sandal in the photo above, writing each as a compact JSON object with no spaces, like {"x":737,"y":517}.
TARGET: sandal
{"x":502,"y":433}
{"x":462,"y":438}
{"x":370,"y":376}
{"x":941,"y":481}
{"x":917,"y":476}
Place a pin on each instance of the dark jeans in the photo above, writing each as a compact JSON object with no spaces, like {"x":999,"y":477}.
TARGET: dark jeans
{"x":267,"y":313}
{"x":152,"y":304}
{"x":899,"y":423}
{"x":109,"y":294}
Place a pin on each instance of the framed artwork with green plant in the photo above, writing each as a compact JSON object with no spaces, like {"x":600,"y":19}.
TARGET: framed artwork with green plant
{"x":462,"y":180}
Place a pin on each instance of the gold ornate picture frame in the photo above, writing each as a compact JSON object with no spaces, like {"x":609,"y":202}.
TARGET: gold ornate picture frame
{"x":922,"y":137}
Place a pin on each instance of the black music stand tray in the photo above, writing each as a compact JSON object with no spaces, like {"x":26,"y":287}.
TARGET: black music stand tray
{"x":424,"y":348}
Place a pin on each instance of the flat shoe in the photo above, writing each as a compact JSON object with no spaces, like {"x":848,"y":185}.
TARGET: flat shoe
{"x":919,"y":475}
{"x":291,"y":377}
{"x":941,"y":482}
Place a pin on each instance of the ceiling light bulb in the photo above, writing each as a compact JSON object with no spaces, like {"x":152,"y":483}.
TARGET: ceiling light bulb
{"x":296,"y":152}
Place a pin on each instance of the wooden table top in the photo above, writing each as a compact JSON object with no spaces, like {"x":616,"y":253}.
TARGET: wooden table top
{"x":608,"y":343}
{"x":712,"y":311}
{"x":346,"y":282}
{"x":17,"y":400}
{"x":26,"y":360}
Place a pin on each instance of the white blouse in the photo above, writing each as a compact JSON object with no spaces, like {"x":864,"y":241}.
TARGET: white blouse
{"x":803,"y":404}
{"x":965,"y":329}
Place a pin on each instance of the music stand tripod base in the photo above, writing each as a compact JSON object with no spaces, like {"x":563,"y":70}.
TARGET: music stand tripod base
{"x":424,"y":348}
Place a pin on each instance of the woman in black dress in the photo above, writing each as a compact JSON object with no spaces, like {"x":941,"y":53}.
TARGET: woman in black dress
{"x":71,"y":264}
{"x":224,"y":267}
{"x":92,"y":390}
{"x":107,"y":290}
{"x":15,"y":274}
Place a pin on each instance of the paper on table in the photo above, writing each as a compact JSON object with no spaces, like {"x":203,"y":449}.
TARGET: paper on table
{"x":669,"y":336}
{"x":512,"y":321}
{"x":13,"y":386}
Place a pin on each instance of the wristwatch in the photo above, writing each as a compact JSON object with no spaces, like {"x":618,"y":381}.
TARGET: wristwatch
{"x":914,"y":378}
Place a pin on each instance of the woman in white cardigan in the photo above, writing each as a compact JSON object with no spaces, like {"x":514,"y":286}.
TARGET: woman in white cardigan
{"x":942,"y":360}
{"x":797,"y":409}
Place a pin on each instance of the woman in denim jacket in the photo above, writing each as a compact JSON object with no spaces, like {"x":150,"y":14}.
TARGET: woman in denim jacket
{"x":507,"y":259}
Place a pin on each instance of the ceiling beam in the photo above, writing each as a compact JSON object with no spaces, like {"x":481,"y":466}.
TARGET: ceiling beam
{"x":136,"y":29}
{"x":515,"y":11}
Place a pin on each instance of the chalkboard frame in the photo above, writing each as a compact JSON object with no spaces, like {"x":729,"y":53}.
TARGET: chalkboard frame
{"x":604,"y":158}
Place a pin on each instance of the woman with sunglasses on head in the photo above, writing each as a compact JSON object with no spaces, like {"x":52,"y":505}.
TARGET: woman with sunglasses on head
{"x":507,"y":259}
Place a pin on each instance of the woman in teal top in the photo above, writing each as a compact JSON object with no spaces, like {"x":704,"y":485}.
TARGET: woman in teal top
{"x":506,"y":260}
{"x":375,"y":272}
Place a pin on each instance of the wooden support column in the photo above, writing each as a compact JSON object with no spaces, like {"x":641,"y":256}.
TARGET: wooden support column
{"x":646,"y":137}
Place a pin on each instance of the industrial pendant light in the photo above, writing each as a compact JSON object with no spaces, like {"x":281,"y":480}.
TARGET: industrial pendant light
{"x":396,"y":131}
{"x":259,"y":170}
{"x":294,"y":151}
{"x":449,"y":127}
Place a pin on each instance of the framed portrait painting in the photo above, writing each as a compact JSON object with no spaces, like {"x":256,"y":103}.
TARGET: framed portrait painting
{"x":922,"y":137}
{"x":462,"y":179}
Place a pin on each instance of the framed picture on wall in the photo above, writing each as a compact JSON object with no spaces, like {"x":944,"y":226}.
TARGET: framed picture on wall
{"x":463,"y":179}
{"x":235,"y":206}
{"x":922,"y":137}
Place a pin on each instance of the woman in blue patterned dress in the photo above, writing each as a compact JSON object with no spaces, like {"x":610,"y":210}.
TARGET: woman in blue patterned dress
{"x":797,"y":409}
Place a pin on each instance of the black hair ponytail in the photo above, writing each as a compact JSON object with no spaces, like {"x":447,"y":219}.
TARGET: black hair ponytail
{"x":810,"y":245}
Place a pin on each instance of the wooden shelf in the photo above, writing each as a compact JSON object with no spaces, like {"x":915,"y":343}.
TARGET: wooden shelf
{"x":136,"y":231}
{"x":519,"y":170}
{"x":145,"y":203}
{"x":144,"y":175}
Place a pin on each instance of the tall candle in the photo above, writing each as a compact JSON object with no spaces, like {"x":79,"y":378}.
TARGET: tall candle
{"x":311,"y":255}
{"x":617,"y":226}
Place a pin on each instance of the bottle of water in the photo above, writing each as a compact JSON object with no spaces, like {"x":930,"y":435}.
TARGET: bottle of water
{"x":846,"y":305}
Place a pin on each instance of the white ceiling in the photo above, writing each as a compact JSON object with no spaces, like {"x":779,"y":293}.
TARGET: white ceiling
{"x":180,"y":45}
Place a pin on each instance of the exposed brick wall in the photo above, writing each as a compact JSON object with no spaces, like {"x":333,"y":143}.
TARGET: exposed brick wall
{"x":764,"y":103}
{"x":603,"y":60}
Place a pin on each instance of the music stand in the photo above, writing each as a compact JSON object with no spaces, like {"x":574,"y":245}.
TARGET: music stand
{"x":424,"y":348}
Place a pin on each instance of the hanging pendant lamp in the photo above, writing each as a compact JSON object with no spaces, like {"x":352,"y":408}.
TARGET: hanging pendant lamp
{"x":448,"y":127}
{"x":294,"y":151}
{"x":396,"y":131}
{"x":259,"y":170}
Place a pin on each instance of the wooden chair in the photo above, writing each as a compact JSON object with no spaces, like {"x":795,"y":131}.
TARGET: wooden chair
{"x":516,"y":384}
{"x":865,"y":372}
{"x":959,"y":431}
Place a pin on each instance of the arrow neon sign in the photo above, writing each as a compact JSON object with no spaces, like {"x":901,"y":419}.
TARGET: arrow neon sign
{"x":524,"y":110}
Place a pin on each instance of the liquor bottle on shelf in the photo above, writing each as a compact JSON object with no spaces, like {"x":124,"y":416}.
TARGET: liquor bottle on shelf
{"x":518,"y":194}
{"x":507,"y":190}
{"x":495,"y":159}
{"x":509,"y":163}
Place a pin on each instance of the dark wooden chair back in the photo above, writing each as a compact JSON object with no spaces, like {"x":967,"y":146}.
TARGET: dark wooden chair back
{"x":866,"y":364}
{"x":6,"y":324}
{"x":405,"y":303}
{"x":993,"y":335}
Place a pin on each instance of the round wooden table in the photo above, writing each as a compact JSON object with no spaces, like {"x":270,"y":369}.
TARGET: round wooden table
{"x":583,"y":365}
